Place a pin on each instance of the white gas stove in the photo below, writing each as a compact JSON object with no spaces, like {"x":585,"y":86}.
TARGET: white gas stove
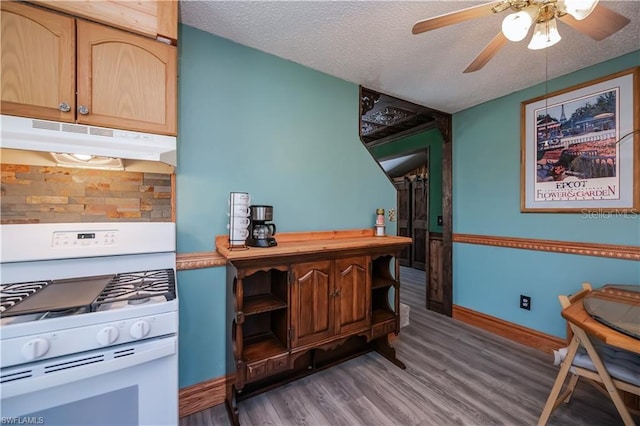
{"x":89,"y":315}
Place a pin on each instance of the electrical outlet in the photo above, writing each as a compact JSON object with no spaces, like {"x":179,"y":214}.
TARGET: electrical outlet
{"x":525,"y":302}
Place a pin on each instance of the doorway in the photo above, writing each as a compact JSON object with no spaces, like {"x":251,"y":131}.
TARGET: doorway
{"x":413,"y":218}
{"x":385,"y":123}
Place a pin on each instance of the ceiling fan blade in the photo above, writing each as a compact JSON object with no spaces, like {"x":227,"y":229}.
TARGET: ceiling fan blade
{"x":600,"y":24}
{"x":455,"y":17}
{"x":487,"y":53}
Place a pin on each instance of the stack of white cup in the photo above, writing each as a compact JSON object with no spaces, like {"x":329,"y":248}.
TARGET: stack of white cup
{"x":238,"y":218}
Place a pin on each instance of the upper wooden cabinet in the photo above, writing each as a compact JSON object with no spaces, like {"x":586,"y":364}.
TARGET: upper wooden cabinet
{"x":154,"y":18}
{"x":116,"y":79}
{"x":38,"y":63}
{"x":125,"y":81}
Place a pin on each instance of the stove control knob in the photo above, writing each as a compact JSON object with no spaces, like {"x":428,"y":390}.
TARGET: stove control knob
{"x":140,"y":329}
{"x":35,"y":348}
{"x":107,"y":335}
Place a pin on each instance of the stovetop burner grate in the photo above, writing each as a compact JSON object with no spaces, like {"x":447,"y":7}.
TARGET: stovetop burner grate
{"x":138,"y":286}
{"x":72,"y":296}
{"x":12,"y":294}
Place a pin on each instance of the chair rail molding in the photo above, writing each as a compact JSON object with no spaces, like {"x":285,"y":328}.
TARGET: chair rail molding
{"x":198,"y":260}
{"x":567,"y":247}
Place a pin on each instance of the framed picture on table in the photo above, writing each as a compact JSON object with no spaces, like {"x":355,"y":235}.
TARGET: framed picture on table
{"x":580,"y":148}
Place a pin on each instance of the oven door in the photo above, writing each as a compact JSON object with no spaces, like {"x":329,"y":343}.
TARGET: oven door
{"x":134,"y":384}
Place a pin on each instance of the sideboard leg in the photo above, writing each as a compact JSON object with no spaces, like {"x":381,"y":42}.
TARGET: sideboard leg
{"x":383,"y":347}
{"x":231,"y":403}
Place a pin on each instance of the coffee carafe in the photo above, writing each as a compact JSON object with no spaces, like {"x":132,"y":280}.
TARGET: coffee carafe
{"x":260,"y":232}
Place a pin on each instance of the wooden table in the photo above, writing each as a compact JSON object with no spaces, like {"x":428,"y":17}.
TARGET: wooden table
{"x":577,"y":315}
{"x":583,"y":325}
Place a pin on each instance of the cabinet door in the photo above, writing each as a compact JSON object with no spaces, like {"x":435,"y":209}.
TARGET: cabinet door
{"x":125,"y":81}
{"x":352,"y":294}
{"x":151,"y":18}
{"x":311,"y":302}
{"x":38,"y":63}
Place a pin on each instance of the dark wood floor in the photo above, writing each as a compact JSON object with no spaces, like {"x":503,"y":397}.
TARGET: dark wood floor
{"x":456,"y":375}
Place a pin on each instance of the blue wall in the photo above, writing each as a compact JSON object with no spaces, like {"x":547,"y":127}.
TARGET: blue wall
{"x":486,"y":201}
{"x":286,"y":134}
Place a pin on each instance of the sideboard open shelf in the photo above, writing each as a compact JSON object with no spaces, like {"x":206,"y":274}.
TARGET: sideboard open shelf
{"x":384,"y":287}
{"x":312,"y":301}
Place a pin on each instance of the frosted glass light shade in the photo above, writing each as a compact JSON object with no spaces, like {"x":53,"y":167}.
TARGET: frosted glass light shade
{"x":580,"y":9}
{"x":545,"y":34}
{"x":515,"y":26}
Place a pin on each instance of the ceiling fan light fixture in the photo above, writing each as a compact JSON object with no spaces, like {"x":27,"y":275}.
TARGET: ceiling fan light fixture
{"x":545,"y":34}
{"x":579,"y":9}
{"x":515,"y":26}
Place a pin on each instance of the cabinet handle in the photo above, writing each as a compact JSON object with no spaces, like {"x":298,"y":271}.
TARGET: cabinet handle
{"x":64,"y":107}
{"x":83,"y":110}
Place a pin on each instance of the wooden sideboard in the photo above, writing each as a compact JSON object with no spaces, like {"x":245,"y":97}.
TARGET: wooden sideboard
{"x":312,"y":301}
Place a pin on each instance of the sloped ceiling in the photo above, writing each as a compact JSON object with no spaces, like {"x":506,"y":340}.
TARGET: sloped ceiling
{"x":400,"y":166}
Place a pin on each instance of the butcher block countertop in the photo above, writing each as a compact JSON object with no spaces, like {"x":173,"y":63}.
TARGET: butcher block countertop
{"x":307,"y":244}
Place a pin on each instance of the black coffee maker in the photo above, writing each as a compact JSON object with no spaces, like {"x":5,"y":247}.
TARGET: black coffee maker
{"x":260,"y":232}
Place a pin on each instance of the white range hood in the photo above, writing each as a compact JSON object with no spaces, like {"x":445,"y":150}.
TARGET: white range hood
{"x":67,"y":138}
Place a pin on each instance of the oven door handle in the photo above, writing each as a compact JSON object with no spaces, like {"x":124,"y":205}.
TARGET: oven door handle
{"x":60,"y":371}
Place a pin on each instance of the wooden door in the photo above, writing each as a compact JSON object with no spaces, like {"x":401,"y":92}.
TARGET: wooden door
{"x":312,"y":308}
{"x":125,"y":81}
{"x":419,"y":222}
{"x":404,"y":217}
{"x":352,"y":294}
{"x":38,"y":63}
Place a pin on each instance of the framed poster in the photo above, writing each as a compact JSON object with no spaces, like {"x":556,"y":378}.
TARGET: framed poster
{"x":580,"y":148}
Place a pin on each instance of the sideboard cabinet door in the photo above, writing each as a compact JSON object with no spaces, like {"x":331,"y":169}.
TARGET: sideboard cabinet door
{"x":352,"y":294}
{"x":312,"y":311}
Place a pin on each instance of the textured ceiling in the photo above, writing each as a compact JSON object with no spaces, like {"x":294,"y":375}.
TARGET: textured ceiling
{"x":370,"y":43}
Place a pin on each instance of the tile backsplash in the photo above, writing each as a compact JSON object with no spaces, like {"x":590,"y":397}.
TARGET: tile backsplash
{"x":36,"y":194}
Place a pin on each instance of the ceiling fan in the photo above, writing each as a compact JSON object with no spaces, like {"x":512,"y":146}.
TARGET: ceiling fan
{"x":586,"y":16}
